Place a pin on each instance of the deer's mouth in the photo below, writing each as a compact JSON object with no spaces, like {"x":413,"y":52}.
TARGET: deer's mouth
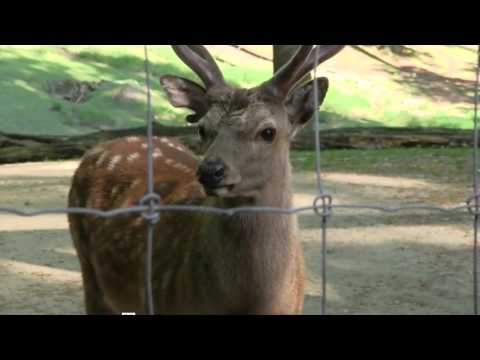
{"x":221,"y":191}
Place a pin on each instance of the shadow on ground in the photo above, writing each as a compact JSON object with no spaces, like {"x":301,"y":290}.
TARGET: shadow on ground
{"x":423,"y":82}
{"x":39,"y":273}
{"x":393,"y":276}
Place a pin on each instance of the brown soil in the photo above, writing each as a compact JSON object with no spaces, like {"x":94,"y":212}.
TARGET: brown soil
{"x":403,"y":263}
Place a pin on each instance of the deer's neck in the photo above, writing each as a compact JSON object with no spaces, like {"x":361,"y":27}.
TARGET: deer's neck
{"x":276,"y":194}
{"x":257,"y":247}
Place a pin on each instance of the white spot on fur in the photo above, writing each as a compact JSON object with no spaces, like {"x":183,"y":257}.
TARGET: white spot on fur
{"x":131,"y":139}
{"x":180,"y":167}
{"x":144,"y":146}
{"x":135,"y":183}
{"x":133,"y":157}
{"x":168,"y":142}
{"x":113,"y":162}
{"x":138,"y":222}
{"x":101,"y":159}
{"x":157,"y":153}
{"x":115,"y":190}
{"x":169,"y":162}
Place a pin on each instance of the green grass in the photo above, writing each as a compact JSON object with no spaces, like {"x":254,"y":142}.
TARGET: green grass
{"x":441,"y":163}
{"x":393,"y":107}
{"x":355,"y":99}
{"x":26,"y":107}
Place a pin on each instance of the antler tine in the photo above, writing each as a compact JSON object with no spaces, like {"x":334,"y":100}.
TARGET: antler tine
{"x":280,"y":83}
{"x":300,"y":65}
{"x":203,"y":52}
{"x":325,"y":52}
{"x":201,"y":62}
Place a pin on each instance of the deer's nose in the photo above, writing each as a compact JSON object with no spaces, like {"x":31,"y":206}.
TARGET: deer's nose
{"x":211,"y":173}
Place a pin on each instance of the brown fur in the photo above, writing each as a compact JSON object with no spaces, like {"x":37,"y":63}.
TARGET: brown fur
{"x":256,"y":269}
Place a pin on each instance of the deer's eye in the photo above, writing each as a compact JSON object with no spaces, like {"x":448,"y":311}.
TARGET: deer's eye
{"x":268,"y":134}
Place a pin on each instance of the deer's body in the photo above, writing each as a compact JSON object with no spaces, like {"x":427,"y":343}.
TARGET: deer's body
{"x":256,"y":268}
{"x":249,"y":263}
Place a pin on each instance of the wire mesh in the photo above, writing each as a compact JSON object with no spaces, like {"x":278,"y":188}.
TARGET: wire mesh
{"x":325,"y":198}
{"x":476,"y":169}
{"x":150,"y":206}
{"x":151,"y":216}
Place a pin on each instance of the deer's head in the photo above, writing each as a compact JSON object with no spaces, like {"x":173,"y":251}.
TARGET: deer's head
{"x":246,"y":133}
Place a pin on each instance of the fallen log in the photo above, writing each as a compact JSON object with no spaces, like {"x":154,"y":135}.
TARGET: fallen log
{"x":17,"y":148}
{"x":384,"y":138}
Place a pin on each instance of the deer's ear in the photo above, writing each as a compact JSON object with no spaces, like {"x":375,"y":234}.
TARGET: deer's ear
{"x":301,"y":102}
{"x":183,"y":93}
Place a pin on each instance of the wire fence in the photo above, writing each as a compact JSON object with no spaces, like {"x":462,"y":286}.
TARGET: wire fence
{"x":150,"y":207}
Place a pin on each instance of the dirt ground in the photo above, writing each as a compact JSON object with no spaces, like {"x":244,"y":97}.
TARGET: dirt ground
{"x":378,"y":263}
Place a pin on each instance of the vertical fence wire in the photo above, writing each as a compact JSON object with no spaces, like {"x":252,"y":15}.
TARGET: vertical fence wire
{"x":475,"y":264}
{"x":320,"y":188}
{"x":476,"y":169}
{"x":317,"y":126}
{"x":150,"y":198}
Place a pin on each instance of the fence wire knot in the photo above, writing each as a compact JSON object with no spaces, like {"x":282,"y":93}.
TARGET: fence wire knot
{"x":152,"y":201}
{"x":473,"y":205}
{"x":325,"y":205}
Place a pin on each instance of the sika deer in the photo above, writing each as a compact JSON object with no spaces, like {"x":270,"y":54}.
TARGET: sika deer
{"x":249,"y":263}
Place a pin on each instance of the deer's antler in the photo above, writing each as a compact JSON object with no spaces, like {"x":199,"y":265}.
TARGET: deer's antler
{"x":201,"y":62}
{"x":301,"y":63}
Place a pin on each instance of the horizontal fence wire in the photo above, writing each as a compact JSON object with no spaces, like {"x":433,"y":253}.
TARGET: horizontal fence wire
{"x":318,"y":209}
{"x":150,"y":206}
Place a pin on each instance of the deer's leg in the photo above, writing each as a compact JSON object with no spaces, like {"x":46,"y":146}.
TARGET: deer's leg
{"x":94,"y":298}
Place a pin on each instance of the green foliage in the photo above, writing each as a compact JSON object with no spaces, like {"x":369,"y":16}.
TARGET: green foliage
{"x":27,"y":107}
{"x":423,"y":162}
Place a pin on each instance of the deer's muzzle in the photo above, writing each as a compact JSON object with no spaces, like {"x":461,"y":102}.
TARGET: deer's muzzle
{"x":211,"y":173}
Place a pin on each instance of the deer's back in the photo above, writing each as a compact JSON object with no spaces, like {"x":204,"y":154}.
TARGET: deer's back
{"x":114,"y":175}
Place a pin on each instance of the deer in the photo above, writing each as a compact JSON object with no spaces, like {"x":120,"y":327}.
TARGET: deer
{"x":248,"y":263}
